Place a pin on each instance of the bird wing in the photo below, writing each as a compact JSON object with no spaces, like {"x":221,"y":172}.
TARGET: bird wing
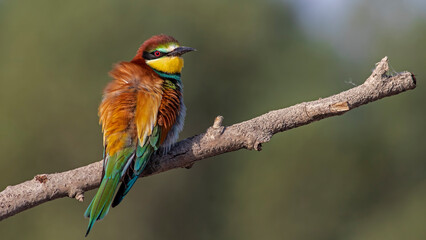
{"x":148,"y":134}
{"x":139,"y":95}
{"x":129,"y":109}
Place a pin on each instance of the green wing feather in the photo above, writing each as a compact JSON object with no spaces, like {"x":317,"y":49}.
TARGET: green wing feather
{"x":143,"y":154}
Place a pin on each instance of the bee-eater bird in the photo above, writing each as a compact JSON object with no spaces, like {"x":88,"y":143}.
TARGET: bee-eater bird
{"x":142,"y":109}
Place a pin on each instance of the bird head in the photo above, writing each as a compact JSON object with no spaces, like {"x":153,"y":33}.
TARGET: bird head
{"x":162,"y":53}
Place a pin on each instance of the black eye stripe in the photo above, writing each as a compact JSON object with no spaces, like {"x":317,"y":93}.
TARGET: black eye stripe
{"x":151,"y":55}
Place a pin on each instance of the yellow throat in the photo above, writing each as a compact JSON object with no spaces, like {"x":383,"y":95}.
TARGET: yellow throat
{"x":167,"y":64}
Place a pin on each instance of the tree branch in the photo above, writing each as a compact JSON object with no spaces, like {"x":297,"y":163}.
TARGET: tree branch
{"x":216,"y":140}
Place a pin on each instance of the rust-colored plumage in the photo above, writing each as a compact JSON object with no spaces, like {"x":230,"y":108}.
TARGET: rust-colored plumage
{"x":129,"y":108}
{"x":142,"y":109}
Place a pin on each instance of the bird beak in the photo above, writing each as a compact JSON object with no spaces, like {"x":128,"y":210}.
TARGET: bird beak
{"x":181,"y":50}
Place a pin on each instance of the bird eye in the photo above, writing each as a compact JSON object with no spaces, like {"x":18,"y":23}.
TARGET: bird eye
{"x":157,"y":53}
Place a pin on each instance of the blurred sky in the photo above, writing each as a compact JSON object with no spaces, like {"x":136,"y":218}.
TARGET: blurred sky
{"x":334,"y":21}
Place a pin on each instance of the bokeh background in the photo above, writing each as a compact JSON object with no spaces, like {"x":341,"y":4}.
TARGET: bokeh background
{"x":358,"y":176}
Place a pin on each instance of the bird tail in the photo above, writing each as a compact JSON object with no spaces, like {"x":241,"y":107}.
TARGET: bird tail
{"x":101,"y":203}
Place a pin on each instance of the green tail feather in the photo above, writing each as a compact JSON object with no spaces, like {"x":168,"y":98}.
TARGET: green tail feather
{"x":101,"y":203}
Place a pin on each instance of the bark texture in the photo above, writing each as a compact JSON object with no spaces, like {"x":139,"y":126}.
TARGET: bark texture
{"x":216,"y":140}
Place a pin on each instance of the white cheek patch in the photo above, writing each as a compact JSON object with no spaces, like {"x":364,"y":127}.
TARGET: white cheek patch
{"x":172,"y":47}
{"x":169,"y":48}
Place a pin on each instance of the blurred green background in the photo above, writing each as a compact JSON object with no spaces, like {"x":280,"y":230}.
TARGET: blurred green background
{"x":358,"y":176}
